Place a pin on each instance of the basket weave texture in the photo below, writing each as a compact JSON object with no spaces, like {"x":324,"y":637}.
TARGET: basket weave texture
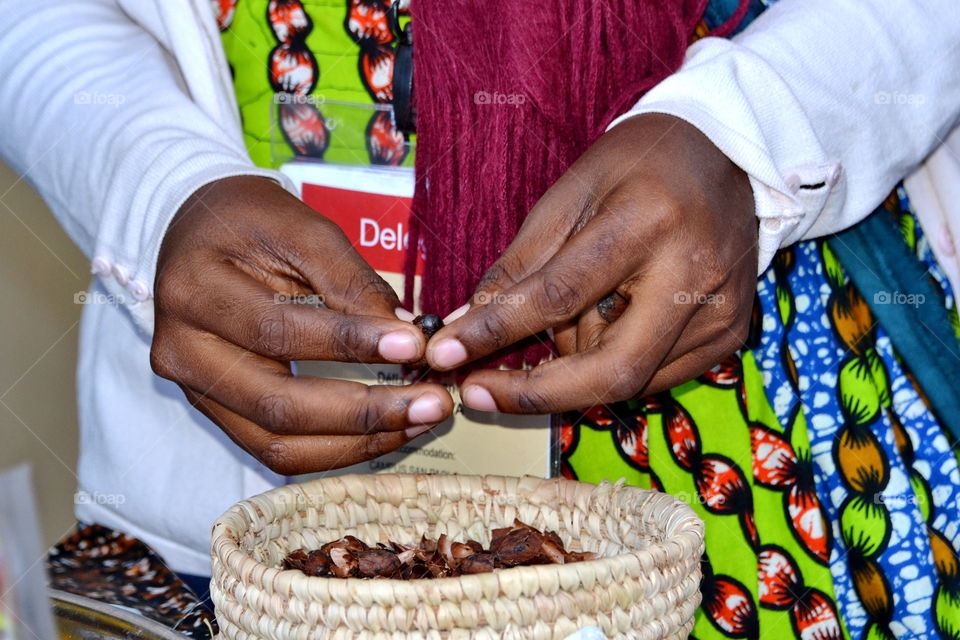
{"x":645,"y":584}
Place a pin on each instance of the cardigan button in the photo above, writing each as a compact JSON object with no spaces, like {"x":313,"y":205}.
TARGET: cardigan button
{"x":139,"y":290}
{"x":793,"y":182}
{"x":834,"y":176}
{"x":99,"y":266}
{"x":121,"y":274}
{"x":772,"y":225}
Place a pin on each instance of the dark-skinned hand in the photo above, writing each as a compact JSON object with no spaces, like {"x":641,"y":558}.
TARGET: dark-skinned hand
{"x":652,"y":211}
{"x":235,"y":256}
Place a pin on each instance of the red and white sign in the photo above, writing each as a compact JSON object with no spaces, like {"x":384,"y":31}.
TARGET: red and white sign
{"x":377,"y":224}
{"x":370,"y":204}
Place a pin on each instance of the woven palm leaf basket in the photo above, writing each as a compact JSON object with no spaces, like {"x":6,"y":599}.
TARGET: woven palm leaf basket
{"x":645,"y":584}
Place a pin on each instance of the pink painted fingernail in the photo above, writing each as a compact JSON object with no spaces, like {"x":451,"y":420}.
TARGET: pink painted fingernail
{"x":448,"y":353}
{"x":478,"y":398}
{"x":399,"y":346}
{"x":427,"y":409}
{"x":413,"y":432}
{"x":456,"y":313}
{"x":403,"y":314}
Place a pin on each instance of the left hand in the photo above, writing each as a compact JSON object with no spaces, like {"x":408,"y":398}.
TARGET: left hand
{"x":653,"y":211}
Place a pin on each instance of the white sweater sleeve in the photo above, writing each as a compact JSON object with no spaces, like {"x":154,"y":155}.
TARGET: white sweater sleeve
{"x":824,"y":104}
{"x":95,"y":115}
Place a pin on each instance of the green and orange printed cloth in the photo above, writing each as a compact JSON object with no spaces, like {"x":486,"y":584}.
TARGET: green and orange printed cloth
{"x":830,"y":491}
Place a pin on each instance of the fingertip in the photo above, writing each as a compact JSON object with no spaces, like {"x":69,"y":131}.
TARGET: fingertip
{"x":400,"y":346}
{"x":403,"y":314}
{"x":456,"y":314}
{"x":426,"y":409}
{"x":477,"y":397}
{"x":413,"y":432}
{"x":446,"y":353}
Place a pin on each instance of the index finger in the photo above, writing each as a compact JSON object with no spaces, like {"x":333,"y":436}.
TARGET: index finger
{"x":617,"y":368}
{"x":586,"y":269}
{"x":254,"y":316}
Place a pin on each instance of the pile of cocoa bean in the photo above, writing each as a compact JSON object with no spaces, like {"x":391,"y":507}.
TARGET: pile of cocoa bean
{"x":349,"y":557}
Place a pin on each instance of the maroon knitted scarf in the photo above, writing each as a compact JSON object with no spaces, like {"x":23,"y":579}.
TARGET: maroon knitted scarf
{"x":508,"y":94}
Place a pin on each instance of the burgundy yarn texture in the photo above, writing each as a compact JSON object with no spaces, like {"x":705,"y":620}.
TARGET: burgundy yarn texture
{"x":508,"y":94}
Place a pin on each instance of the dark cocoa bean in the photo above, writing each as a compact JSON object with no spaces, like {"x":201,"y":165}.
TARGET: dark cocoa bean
{"x":344,"y":564}
{"x":478,"y":563}
{"x":429,"y":323}
{"x":296,"y":560}
{"x":377,"y":562}
{"x":520,"y":546}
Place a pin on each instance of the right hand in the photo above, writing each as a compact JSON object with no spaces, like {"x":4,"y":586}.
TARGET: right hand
{"x":225,"y":335}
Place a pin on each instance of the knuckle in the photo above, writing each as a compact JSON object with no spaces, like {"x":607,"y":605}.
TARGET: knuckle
{"x":276,"y":335}
{"x":371,"y":415}
{"x":561,"y":296}
{"x":277,"y":413}
{"x":727,"y":314}
{"x":734,"y":311}
{"x":661,"y":215}
{"x":711,"y":269}
{"x":162,"y":359}
{"x":365,"y":284}
{"x":373,"y":446}
{"x":175,"y":286}
{"x":279,"y":457}
{"x":495,"y":279}
{"x":669,"y":203}
{"x":167,"y":286}
{"x":533,"y":401}
{"x":494,"y":329}
{"x":347,"y":340}
{"x":625,"y":381}
{"x":326,"y":229}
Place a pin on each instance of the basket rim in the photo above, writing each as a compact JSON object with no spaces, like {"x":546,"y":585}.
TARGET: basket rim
{"x":688,"y":531}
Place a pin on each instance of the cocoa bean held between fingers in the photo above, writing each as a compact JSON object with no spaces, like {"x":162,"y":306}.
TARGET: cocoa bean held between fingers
{"x":429,"y":323}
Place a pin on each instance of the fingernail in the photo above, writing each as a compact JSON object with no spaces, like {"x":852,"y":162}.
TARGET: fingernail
{"x":448,"y":353}
{"x":456,"y":313}
{"x":403,"y":314}
{"x":479,"y":398}
{"x":413,"y":432}
{"x":399,"y":346}
{"x":427,"y":409}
